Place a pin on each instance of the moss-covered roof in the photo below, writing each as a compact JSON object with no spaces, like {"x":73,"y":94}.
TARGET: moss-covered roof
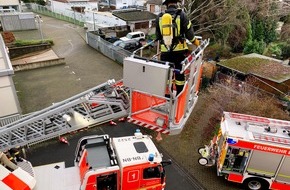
{"x":134,"y":15}
{"x":265,"y":68}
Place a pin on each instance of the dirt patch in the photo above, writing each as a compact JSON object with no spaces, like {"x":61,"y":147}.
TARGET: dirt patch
{"x":8,"y":37}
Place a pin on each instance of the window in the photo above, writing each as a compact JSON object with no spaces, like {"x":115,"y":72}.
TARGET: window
{"x":129,"y":36}
{"x":151,"y":172}
{"x":140,"y":147}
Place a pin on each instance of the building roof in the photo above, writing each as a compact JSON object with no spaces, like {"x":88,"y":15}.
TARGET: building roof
{"x":132,"y":150}
{"x":258,"y":65}
{"x":10,"y":2}
{"x":134,"y":15}
{"x":155,"y":2}
{"x":75,"y":1}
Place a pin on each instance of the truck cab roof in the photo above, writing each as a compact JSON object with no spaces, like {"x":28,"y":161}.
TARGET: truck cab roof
{"x":133,"y":150}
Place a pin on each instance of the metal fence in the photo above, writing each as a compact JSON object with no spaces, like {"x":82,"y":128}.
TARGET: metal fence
{"x":113,"y":52}
{"x":67,"y":15}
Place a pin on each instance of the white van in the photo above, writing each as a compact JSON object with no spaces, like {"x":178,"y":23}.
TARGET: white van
{"x":134,"y":35}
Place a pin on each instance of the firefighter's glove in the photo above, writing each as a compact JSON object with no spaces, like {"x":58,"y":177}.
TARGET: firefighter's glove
{"x":196,"y":42}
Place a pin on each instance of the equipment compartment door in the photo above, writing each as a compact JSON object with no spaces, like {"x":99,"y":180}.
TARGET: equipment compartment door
{"x":264,"y":163}
{"x":235,"y":160}
{"x":284,"y":172}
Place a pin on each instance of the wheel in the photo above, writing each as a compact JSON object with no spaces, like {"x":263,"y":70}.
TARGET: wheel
{"x":201,"y":150}
{"x":203,"y":161}
{"x":255,"y":183}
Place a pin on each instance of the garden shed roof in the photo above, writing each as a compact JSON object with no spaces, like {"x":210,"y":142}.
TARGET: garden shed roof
{"x":258,"y":65}
{"x":134,"y":15}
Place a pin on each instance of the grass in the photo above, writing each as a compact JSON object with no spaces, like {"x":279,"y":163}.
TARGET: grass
{"x":21,"y":43}
{"x":262,"y":67}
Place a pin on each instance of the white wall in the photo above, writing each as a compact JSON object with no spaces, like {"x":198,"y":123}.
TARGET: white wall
{"x":62,"y":8}
{"x":125,"y":3}
{"x":104,"y":18}
{"x":157,"y":9}
{"x":10,"y":2}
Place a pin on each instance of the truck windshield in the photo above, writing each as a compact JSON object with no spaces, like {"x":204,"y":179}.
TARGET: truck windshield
{"x":151,"y":172}
{"x":129,"y":36}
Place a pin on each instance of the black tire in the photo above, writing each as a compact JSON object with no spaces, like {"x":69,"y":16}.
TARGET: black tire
{"x":203,"y":161}
{"x":200,"y":150}
{"x":255,"y":183}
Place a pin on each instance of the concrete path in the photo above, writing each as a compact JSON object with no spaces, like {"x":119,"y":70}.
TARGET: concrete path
{"x":85,"y":67}
{"x":41,"y":56}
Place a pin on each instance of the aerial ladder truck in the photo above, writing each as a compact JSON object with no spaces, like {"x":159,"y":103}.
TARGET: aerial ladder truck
{"x":102,"y":162}
{"x":143,"y":104}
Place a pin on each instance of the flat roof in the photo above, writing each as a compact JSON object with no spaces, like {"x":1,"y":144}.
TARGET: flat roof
{"x":5,"y":64}
{"x":134,"y":15}
{"x":259,"y":65}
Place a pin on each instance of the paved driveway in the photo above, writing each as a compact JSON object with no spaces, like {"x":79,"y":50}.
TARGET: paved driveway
{"x":85,"y":67}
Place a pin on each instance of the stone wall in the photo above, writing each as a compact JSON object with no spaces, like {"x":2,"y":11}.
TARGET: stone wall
{"x":15,"y":52}
{"x":39,"y":64}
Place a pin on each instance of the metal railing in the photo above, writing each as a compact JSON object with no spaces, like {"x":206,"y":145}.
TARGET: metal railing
{"x":66,"y":15}
{"x":106,"y":48}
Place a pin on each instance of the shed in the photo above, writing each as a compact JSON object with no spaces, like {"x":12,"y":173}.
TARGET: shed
{"x":261,"y":71}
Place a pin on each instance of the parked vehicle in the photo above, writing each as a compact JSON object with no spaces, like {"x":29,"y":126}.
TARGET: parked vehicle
{"x":130,"y":45}
{"x":112,"y":39}
{"x":117,"y":43}
{"x":251,"y":150}
{"x":101,"y":163}
{"x":134,"y":35}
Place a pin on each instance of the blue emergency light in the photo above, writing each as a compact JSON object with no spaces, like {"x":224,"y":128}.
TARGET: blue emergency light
{"x":151,"y":157}
{"x":231,"y":141}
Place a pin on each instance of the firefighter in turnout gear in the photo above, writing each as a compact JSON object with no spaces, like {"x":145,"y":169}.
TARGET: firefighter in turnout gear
{"x":172,"y":30}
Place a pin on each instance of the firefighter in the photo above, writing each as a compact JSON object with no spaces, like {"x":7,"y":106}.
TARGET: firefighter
{"x":181,"y":29}
{"x":5,"y":161}
{"x":15,"y":154}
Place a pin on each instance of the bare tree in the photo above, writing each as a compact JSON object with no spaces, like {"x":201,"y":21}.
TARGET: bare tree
{"x":231,"y":19}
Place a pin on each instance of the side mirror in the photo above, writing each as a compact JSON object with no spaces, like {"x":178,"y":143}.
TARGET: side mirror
{"x":166,"y":163}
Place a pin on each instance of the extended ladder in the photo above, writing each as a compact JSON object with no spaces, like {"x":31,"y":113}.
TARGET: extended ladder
{"x":98,"y":105}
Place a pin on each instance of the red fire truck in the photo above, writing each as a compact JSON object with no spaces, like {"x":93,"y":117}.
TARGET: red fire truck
{"x":101,"y":163}
{"x":251,"y":150}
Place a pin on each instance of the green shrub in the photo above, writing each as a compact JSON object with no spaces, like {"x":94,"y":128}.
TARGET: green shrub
{"x":285,"y":51}
{"x":274,"y":49}
{"x":205,"y":82}
{"x":255,"y":47}
{"x":20,"y":43}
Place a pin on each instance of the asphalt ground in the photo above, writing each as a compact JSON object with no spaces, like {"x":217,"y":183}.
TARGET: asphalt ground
{"x":85,"y":68}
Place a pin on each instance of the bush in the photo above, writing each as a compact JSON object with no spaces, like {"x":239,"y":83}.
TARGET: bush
{"x":285,"y":51}
{"x":255,"y":47}
{"x":216,"y":50}
{"x":205,"y":82}
{"x":274,"y":49}
{"x":20,"y":43}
